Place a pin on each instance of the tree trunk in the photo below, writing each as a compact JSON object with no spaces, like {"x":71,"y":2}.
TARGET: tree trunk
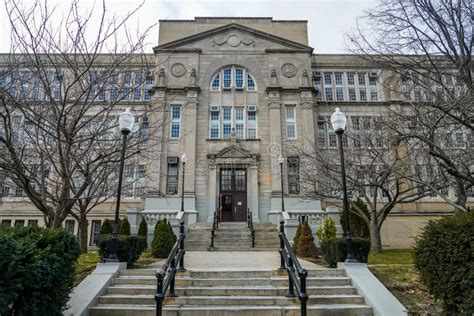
{"x":375,"y":238}
{"x":83,"y":225}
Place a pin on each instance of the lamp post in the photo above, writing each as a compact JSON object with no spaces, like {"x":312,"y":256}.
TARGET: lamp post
{"x":338,"y":122}
{"x":183,"y":160}
{"x":126,"y":120}
{"x":281,"y":160}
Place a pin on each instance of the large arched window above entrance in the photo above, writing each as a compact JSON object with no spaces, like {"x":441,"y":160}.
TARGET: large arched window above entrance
{"x":233,"y":77}
{"x":233,"y":104}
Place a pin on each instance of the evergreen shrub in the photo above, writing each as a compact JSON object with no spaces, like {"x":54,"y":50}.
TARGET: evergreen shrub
{"x":296,"y":239}
{"x":335,"y":250}
{"x":444,"y":256}
{"x":327,"y":230}
{"x":106,"y":228}
{"x":306,"y":246}
{"x":37,"y":270}
{"x":124,"y":229}
{"x":143,"y":228}
{"x":129,"y":247}
{"x":163,"y":240}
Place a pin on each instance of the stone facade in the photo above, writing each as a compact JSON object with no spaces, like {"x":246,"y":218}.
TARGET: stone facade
{"x":235,"y":167}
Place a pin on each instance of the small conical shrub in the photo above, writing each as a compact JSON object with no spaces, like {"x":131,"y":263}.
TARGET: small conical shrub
{"x":327,"y":230}
{"x":306,"y":246}
{"x":297,"y":238}
{"x":106,"y":228}
{"x":124,"y":227}
{"x":163,"y":240}
{"x":143,"y":228}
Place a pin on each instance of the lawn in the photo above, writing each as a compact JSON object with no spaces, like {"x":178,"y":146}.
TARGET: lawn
{"x":86,"y":264}
{"x":395,"y":269}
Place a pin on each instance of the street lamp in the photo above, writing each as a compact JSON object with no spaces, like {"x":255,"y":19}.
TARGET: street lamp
{"x":126,"y":120}
{"x":183,"y":160}
{"x":281,"y":160}
{"x":338,"y":122}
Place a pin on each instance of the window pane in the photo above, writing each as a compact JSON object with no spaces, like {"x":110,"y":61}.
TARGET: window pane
{"x":328,"y":79}
{"x":328,"y":94}
{"x":340,"y":94}
{"x":293,"y":175}
{"x":239,"y":78}
{"x":227,"y":77}
{"x":239,"y":123}
{"x":216,"y":82}
{"x":214,"y":125}
{"x":250,"y":83}
{"x":175,"y":121}
{"x":338,"y":78}
{"x":251,"y":125}
{"x":172,"y":179}
{"x":95,"y":232}
{"x":361,"y":77}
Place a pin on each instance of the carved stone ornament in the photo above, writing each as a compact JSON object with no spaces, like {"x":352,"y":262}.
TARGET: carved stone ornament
{"x":178,"y":70}
{"x":233,"y":41}
{"x":289,"y":70}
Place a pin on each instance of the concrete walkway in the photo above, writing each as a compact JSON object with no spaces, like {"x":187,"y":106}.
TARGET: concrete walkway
{"x":234,"y":260}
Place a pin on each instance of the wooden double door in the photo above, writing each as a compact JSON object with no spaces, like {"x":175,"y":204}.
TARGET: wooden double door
{"x":233,"y":195}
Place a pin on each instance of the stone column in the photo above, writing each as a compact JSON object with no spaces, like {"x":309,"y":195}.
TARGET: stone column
{"x":189,"y":118}
{"x":275,"y":138}
{"x":212,"y":191}
{"x":308,"y":120}
{"x":157,"y":151}
{"x":252,"y":191}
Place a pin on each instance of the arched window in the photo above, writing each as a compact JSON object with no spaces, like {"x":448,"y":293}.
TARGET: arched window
{"x":233,"y":77}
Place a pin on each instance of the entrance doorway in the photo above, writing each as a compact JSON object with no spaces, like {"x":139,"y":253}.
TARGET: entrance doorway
{"x":233,"y":195}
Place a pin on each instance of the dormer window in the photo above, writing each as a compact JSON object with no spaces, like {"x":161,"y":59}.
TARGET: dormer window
{"x":233,"y":77}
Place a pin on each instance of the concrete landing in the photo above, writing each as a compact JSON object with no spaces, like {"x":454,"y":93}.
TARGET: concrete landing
{"x":237,"y":260}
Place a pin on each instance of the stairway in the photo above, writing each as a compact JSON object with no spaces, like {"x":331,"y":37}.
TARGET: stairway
{"x":231,"y":292}
{"x":232,"y":236}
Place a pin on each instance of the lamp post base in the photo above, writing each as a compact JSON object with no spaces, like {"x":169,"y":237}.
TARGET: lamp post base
{"x":351,"y":260}
{"x":111,"y":260}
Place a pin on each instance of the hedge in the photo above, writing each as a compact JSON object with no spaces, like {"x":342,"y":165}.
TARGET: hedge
{"x":129,"y":247}
{"x":335,"y":250}
{"x":37,"y":270}
{"x":444,"y":256}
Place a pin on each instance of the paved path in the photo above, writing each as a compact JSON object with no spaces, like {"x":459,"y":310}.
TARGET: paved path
{"x":234,"y":260}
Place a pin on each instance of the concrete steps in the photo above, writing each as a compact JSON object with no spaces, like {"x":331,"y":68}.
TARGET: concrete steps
{"x":232,"y":236}
{"x":231,"y":292}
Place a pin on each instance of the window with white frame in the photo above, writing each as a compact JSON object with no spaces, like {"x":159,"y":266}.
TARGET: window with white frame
{"x":293,"y":175}
{"x":332,"y":136}
{"x":322,"y":131}
{"x":233,"y":77}
{"x":374,"y":95}
{"x":134,"y":181}
{"x":175,"y":121}
{"x":172,"y":175}
{"x":227,"y":121}
{"x":290,"y":122}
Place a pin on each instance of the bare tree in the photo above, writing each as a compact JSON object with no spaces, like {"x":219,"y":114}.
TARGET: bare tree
{"x":373,"y":167}
{"x":426,"y":47}
{"x":61,"y":91}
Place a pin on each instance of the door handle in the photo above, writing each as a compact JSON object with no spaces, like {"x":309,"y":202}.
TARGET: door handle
{"x":235,"y":209}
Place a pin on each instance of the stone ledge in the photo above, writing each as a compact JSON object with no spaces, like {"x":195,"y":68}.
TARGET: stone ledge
{"x":86,"y":293}
{"x":374,"y":292}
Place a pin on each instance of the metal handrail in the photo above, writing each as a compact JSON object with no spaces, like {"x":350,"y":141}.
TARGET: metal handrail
{"x":250,"y":226}
{"x":166,"y":276}
{"x":215,"y":226}
{"x":290,"y":262}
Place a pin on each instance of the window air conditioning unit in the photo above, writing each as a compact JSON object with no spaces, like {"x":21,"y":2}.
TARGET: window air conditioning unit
{"x":173,"y":160}
{"x":214,"y":108}
{"x":316,"y":74}
{"x":251,"y":108}
{"x":373,"y":73}
{"x":379,"y":119}
{"x":149,"y":74}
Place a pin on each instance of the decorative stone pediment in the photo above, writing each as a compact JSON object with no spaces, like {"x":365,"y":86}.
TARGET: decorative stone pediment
{"x":233,"y":36}
{"x":234,"y":154}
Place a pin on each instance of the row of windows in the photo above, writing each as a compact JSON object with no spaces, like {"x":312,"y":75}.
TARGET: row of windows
{"x":420,"y":88}
{"x":346,"y":86}
{"x":228,"y":121}
{"x":129,"y":86}
{"x":233,"y":78}
{"x":19,"y":222}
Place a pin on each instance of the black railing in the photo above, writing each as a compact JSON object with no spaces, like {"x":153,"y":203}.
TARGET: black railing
{"x":215,"y":226}
{"x":289,"y":262}
{"x":166,"y":276}
{"x":250,"y":226}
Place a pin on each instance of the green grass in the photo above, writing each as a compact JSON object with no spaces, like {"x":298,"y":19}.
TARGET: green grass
{"x":392,"y":256}
{"x":86,"y":264}
{"x":395,"y":269}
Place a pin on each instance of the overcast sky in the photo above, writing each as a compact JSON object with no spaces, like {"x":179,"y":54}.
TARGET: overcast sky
{"x":327,"y":19}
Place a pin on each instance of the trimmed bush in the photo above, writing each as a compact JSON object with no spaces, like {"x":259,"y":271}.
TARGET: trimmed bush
{"x":297,"y":238}
{"x":106,"y":228}
{"x":129,"y":247}
{"x":444,"y":256}
{"x":143,"y":228}
{"x":163,"y":240}
{"x":335,"y":250}
{"x":37,"y":270}
{"x":124,"y":227}
{"x":327,"y":230}
{"x":359,"y":227}
{"x":306,"y":246}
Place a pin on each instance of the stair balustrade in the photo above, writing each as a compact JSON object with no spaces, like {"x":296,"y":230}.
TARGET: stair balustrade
{"x":166,"y":275}
{"x":215,"y":226}
{"x":289,"y":261}
{"x":250,"y":226}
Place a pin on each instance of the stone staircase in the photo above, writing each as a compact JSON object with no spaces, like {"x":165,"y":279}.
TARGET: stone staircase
{"x":231,"y":292}
{"x":232,"y":236}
